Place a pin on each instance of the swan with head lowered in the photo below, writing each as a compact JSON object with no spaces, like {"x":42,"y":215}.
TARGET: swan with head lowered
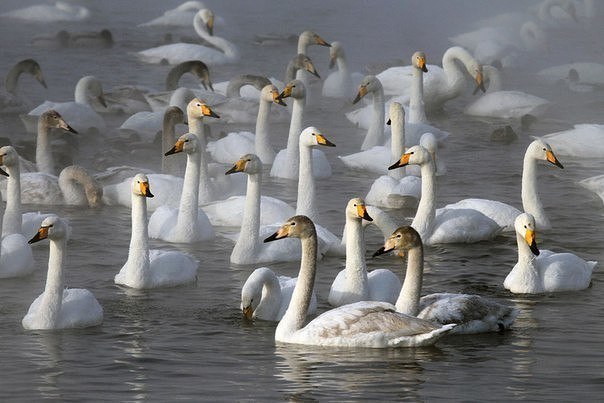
{"x":471,"y":313}
{"x":59,"y":307}
{"x":341,"y":83}
{"x":151,"y":268}
{"x":180,"y":16}
{"x":544,"y":271}
{"x":10,"y":102}
{"x":221,"y":52}
{"x":61,"y":11}
{"x":362,"y":324}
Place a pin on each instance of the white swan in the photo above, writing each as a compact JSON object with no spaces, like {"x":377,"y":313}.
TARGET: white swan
{"x":305,"y":40}
{"x":544,"y":271}
{"x":588,"y":73}
{"x":362,"y":324}
{"x":471,"y":313}
{"x":266,"y":296}
{"x":395,"y":190}
{"x":222,"y":52}
{"x":151,"y":268}
{"x":188,"y":223}
{"x":285,"y":164}
{"x":354,"y":283}
{"x":341,"y":83}
{"x":595,"y":184}
{"x":582,"y":141}
{"x":79,"y":113}
{"x":59,"y":12}
{"x":59,"y":307}
{"x":181,"y":16}
{"x":10,"y":102}
{"x":444,"y":225}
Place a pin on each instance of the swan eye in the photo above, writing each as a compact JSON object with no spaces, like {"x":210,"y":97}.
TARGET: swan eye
{"x":525,"y":226}
{"x":398,"y":235}
{"x":198,"y":104}
{"x":544,"y":149}
{"x":293,"y":224}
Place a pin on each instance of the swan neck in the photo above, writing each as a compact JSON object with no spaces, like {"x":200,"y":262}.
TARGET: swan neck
{"x":356,"y":267}
{"x":306,"y":203}
{"x":426,"y":210}
{"x":197,"y":127}
{"x":44,"y":159}
{"x":455,"y":77}
{"x":264,"y":150}
{"x":417,"y":113}
{"x":408,"y":299}
{"x":175,"y":74}
{"x":138,"y":254}
{"x":270,"y":302}
{"x":169,"y":164}
{"x":188,"y":208}
{"x":250,"y":223}
{"x":227,"y":48}
{"x":12,"y":79}
{"x":375,"y":133}
{"x":50,"y":307}
{"x":531,"y":203}
{"x":12,"y":222}
{"x":397,"y":146}
{"x":81,"y":92}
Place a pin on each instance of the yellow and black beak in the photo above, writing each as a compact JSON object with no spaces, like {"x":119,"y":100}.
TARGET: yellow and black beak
{"x":40,"y":235}
{"x":210,"y":25}
{"x":277,"y":98}
{"x":479,"y":82}
{"x":308,"y":66}
{"x":552,"y":158}
{"x":422,"y":64}
{"x":388,"y":246}
{"x":207,"y":111}
{"x":145,"y":189}
{"x":248,"y":313}
{"x":178,"y":147}
{"x":401,"y":163}
{"x":362,"y":92}
{"x":286,"y":93}
{"x":529,"y":237}
{"x":63,"y":125}
{"x":238,"y":167}
{"x":281,"y":233}
{"x":320,"y":41}
{"x":323,"y":141}
{"x":362,"y":212}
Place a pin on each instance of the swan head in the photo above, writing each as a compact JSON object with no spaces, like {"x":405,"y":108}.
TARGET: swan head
{"x":311,"y":38}
{"x":174,"y":115}
{"x":187,"y":143}
{"x":396,"y":113}
{"x":198,"y":109}
{"x":301,"y":61}
{"x":336,"y":51}
{"x":251,"y":292}
{"x":53,"y":228}
{"x":32,"y":67}
{"x":93,"y":89}
{"x":311,"y":136}
{"x":418,"y":60}
{"x":540,"y":150}
{"x":294,"y":89}
{"x":200,"y":70}
{"x":357,"y":210}
{"x":52,"y":118}
{"x":525,"y":227}
{"x":140,"y":186}
{"x":368,"y":85}
{"x":8,"y":158}
{"x":416,"y":155}
{"x":299,"y":226}
{"x":207,"y":16}
{"x":249,"y":163}
{"x":402,"y":239}
{"x":428,"y":141}
{"x":270,"y":93}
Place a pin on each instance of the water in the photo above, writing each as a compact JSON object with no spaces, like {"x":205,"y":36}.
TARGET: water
{"x":190,"y":342}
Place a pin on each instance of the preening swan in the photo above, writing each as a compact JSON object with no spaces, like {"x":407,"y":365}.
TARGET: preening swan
{"x":151,"y":268}
{"x":181,"y":16}
{"x":362,"y":324}
{"x":60,"y":11}
{"x":341,"y":83}
{"x":544,"y":271}
{"x":59,"y":307}
{"x":266,"y":296}
{"x":10,"y":102}
{"x":471,"y":313}
{"x":354,"y":283}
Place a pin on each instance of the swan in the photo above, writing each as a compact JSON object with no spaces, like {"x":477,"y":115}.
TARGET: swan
{"x":589,"y":73}
{"x":172,"y":116}
{"x":221,"y":52}
{"x":59,"y":12}
{"x":285,"y":164}
{"x":472,"y":313}
{"x":395,"y":190}
{"x":305,"y":40}
{"x":354,"y":283}
{"x":544,"y":271}
{"x":151,"y":268}
{"x":504,"y":214}
{"x":187,"y":223}
{"x":557,"y":13}
{"x":79,"y":113}
{"x":498,"y":103}
{"x":10,"y":102}
{"x":444,"y":225}
{"x":48,"y":120}
{"x":227,"y":149}
{"x":582,"y":141}
{"x":341,"y":83}
{"x":266,"y":296}
{"x":362,"y":324}
{"x":59,"y":307}
{"x":595,"y":184}
{"x":181,"y":16}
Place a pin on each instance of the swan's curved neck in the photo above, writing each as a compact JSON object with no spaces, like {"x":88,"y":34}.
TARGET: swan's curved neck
{"x":77,"y":185}
{"x":531,"y":203}
{"x":169,"y":164}
{"x":408,"y":299}
{"x":375,"y":133}
{"x":262,"y":144}
{"x":44,"y":159}
{"x":11,"y":224}
{"x":306,"y":203}
{"x":50,"y":306}
{"x":82,"y":92}
{"x":383,"y":221}
{"x":138,"y":254}
{"x":234,"y":87}
{"x":455,"y":77}
{"x":248,"y":241}
{"x":175,"y":74}
{"x":271,"y":300}
{"x":291,"y":70}
{"x":188,"y":209}
{"x":12,"y":78}
{"x":356,"y":268}
{"x":196,"y":127}
{"x":397,"y":145}
{"x":417,"y":113}
{"x":230,"y":50}
{"x":426,"y":210}
{"x":293,"y":138}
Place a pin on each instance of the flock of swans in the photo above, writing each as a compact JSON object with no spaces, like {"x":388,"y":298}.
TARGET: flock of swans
{"x":201,"y":184}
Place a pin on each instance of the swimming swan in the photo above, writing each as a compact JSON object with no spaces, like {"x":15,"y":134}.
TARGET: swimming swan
{"x":10,"y":102}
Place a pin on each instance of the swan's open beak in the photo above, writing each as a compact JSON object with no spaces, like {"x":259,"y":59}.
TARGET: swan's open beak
{"x":238,"y":167}
{"x":102,"y":101}
{"x":321,"y":41}
{"x":552,"y":158}
{"x":422,"y":64}
{"x":287,"y":92}
{"x":281,"y":233}
{"x":362,"y":212}
{"x":479,"y":82}
{"x":362,"y":92}
{"x":529,"y":237}
{"x":277,"y":98}
{"x":308,"y":66}
{"x":145,"y":189}
{"x":248,"y":313}
{"x":207,"y":111}
{"x":176,"y":149}
{"x":63,"y":125}
{"x":401,"y":163}
{"x":323,"y":141}
{"x":40,"y":235}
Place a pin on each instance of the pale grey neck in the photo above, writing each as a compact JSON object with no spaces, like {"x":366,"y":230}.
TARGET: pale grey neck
{"x":175,"y":75}
{"x":375,"y":133}
{"x":50,"y":306}
{"x":408,"y":299}
{"x":82,"y":91}
{"x":262,"y":144}
{"x":293,"y":138}
{"x":290,"y":71}
{"x":417,"y":112}
{"x":138,"y":254}
{"x":343,"y":66}
{"x":188,"y":209}
{"x":270,"y":303}
{"x":426,"y":210}
{"x":234,"y":86}
{"x":397,"y":145}
{"x":11,"y":224}
{"x":306,"y":203}
{"x":455,"y":76}
{"x":250,"y":222}
{"x":531,"y":203}
{"x":227,"y":48}
{"x":356,"y":267}
{"x":44,"y":159}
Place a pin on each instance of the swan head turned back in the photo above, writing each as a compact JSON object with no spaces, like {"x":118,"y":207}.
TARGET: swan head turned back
{"x":335,"y":51}
{"x":249,"y":163}
{"x":418,"y":60}
{"x":369,"y":84}
{"x":198,"y":109}
{"x":270,"y":93}
{"x":294,"y":89}
{"x":402,"y":239}
{"x":187,"y":143}
{"x":207,"y":16}
{"x":525,"y":228}
{"x":299,"y":226}
{"x":53,"y":228}
{"x":416,"y":155}
{"x":311,"y":136}
{"x":357,"y":210}
{"x":540,"y":150}
{"x":53,"y":119}
{"x":140,"y":186}
{"x":92,"y":88}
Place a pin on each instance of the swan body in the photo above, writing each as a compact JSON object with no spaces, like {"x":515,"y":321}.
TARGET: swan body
{"x":151,"y":268}
{"x":582,"y":141}
{"x":181,"y":16}
{"x":10,"y":102}
{"x":341,"y":83}
{"x":266,"y":296}
{"x":59,"y":12}
{"x":588,"y":73}
{"x":544,"y":271}
{"x":595,"y":184}
{"x":59,"y":307}
{"x":362,"y":324}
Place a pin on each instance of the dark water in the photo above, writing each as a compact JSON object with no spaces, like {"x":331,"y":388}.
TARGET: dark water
{"x":190,"y":342}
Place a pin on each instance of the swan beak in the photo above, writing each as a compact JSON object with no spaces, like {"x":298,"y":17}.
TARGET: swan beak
{"x":63,"y":125}
{"x":281,"y":233}
{"x":552,"y":158}
{"x":207,"y":111}
{"x":210,"y":25}
{"x":238,"y":167}
{"x":38,"y":76}
{"x":277,"y":98}
{"x":532,"y":243}
{"x":479,"y":82}
{"x":320,"y":41}
{"x":332,"y":62}
{"x":362,"y":92}
{"x":2,"y":171}
{"x":176,"y":149}
{"x":207,"y":84}
{"x":362,"y":212}
{"x":40,"y":235}
{"x":422,"y":64}
{"x":323,"y":141}
{"x":145,"y":189}
{"x":248,"y":313}
{"x":388,"y":246}
{"x":308,"y":66}
{"x":102,"y":101}
{"x":287,"y":92}
{"x":401,"y":163}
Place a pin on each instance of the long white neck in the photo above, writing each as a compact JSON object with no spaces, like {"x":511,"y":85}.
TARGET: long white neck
{"x":527,"y":275}
{"x":169,"y":164}
{"x":188,"y":209}
{"x":50,"y":306}
{"x":138,"y":254}
{"x":375,"y":133}
{"x":397,"y":144}
{"x":417,"y":113}
{"x":270,"y":303}
{"x":229,"y":49}
{"x":206,"y":190}
{"x":408,"y":299}
{"x":426,"y":210}
{"x":44,"y":159}
{"x":262,"y":143}
{"x":295,"y":316}
{"x":356,"y":268}
{"x":343,"y":67}
{"x":11,"y":224}
{"x":248,"y":241}
{"x":293,"y":138}
{"x":530,"y":197}
{"x":455,"y":77}
{"x":306,"y":204}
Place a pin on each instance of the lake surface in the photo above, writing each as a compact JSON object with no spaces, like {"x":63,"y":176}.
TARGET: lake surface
{"x":191,"y":343}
